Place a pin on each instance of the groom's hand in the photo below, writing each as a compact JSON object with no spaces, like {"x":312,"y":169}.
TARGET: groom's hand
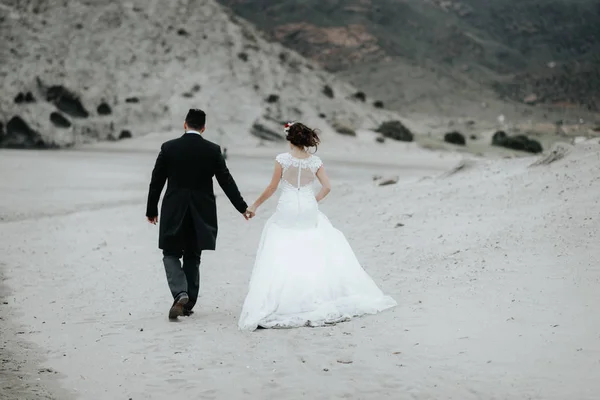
{"x":249,"y":214}
{"x":152,"y":220}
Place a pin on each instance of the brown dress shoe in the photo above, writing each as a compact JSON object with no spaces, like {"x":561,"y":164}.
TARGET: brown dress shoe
{"x":177,"y":307}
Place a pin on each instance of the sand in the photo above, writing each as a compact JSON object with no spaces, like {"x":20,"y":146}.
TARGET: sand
{"x":495,"y":269}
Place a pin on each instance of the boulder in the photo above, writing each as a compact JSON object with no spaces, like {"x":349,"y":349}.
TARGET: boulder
{"x":132,"y":100}
{"x":66,"y":101}
{"x":125,"y":134}
{"x":59,"y":120}
{"x":498,"y":138}
{"x":378,"y":104}
{"x":19,"y":135}
{"x":243,"y":56}
{"x":380,"y":139}
{"x":328,"y":91}
{"x":517,"y":142}
{"x":261,"y":131}
{"x":104,"y":109}
{"x":388,"y":181}
{"x":395,"y":130}
{"x":273,"y":98}
{"x":24,"y":98}
{"x":455,"y":138}
{"x":360,"y":96}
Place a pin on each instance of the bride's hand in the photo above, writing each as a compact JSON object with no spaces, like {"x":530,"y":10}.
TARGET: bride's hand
{"x":250,"y":213}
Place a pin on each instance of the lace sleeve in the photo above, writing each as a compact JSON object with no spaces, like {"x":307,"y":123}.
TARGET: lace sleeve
{"x":315,"y":164}
{"x":283,"y":160}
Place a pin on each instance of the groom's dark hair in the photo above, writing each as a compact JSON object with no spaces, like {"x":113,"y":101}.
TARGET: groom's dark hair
{"x":195,"y":118}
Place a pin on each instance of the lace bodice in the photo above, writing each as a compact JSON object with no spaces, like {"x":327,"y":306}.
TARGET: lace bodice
{"x":297,"y":207}
{"x":298,"y":173}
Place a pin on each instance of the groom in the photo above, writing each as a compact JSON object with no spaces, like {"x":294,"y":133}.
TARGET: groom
{"x":189,"y":215}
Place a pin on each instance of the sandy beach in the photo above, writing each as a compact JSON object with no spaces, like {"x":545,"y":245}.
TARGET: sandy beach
{"x":495,"y":268}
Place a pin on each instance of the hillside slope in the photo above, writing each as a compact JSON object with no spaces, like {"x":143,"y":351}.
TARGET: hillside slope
{"x":80,"y":71}
{"x":547,"y":52}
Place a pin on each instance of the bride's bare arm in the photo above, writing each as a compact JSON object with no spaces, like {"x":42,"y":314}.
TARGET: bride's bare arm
{"x":325,"y":185}
{"x":270,"y":189}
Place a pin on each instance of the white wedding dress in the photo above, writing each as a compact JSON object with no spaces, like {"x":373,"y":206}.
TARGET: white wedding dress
{"x":305,"y":273}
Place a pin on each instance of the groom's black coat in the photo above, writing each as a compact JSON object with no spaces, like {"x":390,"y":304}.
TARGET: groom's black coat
{"x":189,"y":164}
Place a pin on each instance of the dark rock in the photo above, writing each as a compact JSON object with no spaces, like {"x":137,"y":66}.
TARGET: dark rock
{"x":66,"y":101}
{"x":20,"y":98}
{"x":182,"y":32}
{"x":282,"y":57}
{"x":455,"y":138}
{"x":273,"y":98}
{"x":344,"y":129}
{"x":196,"y":88}
{"x":20,"y":136}
{"x":360,"y":96}
{"x":380,"y":139}
{"x":59,"y":120}
{"x":243,"y":56}
{"x":322,"y":115}
{"x":328,"y":91}
{"x":533,"y":146}
{"x":262,"y":132}
{"x":498,"y":138}
{"x":125,"y":134}
{"x":395,"y":130}
{"x":24,"y":98}
{"x":474,"y":137}
{"x":378,"y":104}
{"x":388,"y":181}
{"x":132,"y":100}
{"x":104,"y":109}
{"x":187,"y":95}
{"x":517,"y":142}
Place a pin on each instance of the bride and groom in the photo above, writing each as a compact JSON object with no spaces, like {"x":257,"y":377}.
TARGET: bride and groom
{"x":305,"y":272}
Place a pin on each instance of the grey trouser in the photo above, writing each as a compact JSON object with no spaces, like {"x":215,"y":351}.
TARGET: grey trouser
{"x":186,"y":278}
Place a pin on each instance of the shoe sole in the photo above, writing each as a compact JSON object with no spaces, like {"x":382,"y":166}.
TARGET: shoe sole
{"x":177,"y":309}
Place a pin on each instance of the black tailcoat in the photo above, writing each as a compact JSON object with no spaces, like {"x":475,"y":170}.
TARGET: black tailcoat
{"x":188,"y":164}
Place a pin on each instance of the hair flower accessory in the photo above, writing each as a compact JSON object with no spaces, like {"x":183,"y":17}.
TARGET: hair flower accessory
{"x":287,"y":126}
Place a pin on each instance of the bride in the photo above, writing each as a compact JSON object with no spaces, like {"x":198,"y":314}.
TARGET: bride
{"x":305,"y":273}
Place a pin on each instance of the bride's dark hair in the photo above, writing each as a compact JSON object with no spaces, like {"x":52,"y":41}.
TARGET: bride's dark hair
{"x":301,"y":135}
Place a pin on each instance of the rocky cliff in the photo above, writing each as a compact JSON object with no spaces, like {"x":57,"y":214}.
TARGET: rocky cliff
{"x":77,"y":71}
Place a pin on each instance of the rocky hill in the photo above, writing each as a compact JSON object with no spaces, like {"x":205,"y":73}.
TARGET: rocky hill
{"x":78,"y":71}
{"x":438,"y":55}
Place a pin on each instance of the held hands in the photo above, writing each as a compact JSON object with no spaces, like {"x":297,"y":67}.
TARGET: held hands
{"x":152,"y":220}
{"x":250,"y":213}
